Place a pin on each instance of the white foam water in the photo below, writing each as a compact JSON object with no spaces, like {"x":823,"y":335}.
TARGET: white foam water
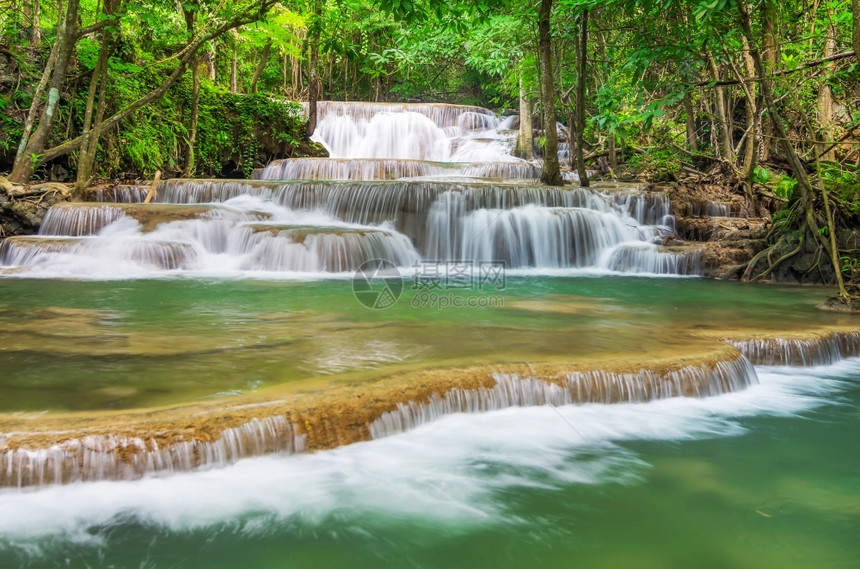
{"x":444,"y":133}
{"x":457,"y":470}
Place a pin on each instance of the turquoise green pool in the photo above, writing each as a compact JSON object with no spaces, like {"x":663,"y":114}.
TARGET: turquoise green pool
{"x":71,"y":345}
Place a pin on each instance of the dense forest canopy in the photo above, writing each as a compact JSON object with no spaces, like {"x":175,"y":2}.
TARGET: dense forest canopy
{"x":654,"y":74}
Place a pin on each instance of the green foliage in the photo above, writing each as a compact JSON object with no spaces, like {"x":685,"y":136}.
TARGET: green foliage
{"x":843,"y":182}
{"x":785,"y":187}
{"x":761,"y":175}
{"x":849,"y":266}
{"x":659,"y":163}
{"x":230,"y":129}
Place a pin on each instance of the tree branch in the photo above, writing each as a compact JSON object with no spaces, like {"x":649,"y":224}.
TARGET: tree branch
{"x":815,"y":63}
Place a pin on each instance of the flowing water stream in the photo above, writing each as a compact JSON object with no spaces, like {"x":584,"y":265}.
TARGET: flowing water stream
{"x":584,"y":406}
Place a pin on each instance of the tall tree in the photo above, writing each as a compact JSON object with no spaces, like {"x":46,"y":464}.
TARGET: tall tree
{"x":551,"y":171}
{"x":32,"y":146}
{"x":581,"y":53}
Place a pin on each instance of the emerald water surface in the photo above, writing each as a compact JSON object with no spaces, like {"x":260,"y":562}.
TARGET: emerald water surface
{"x":123,"y":344}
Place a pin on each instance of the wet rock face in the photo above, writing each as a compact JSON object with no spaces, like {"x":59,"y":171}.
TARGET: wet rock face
{"x":22,"y":208}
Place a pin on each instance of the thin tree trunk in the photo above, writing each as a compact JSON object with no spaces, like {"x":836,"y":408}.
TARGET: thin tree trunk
{"x":834,"y":247}
{"x":98,"y":83}
{"x":284,"y":68}
{"x":314,"y":82}
{"x":613,"y":158}
{"x":825,"y":108}
{"x":195,"y":118}
{"x":35,"y":25}
{"x":261,"y":66}
{"x":190,"y":19}
{"x":551,"y":172}
{"x":234,"y":70}
{"x":770,"y":56}
{"x":723,"y":133}
{"x":210,"y":63}
{"x":751,"y":145}
{"x":40,"y":91}
{"x":582,"y":53}
{"x":692,"y":143}
{"x":855,"y":37}
{"x":35,"y":146}
{"x":525,"y":139}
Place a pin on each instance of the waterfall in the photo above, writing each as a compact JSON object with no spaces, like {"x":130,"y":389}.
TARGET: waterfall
{"x":315,"y":249}
{"x":824,"y":349}
{"x":511,"y":390}
{"x":404,"y":183}
{"x":110,"y":457}
{"x":533,"y":236}
{"x":648,"y":258}
{"x":445,"y":133}
{"x":386,"y":169}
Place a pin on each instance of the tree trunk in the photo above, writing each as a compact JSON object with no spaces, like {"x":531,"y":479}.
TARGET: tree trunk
{"x":261,"y":66}
{"x":580,"y":100}
{"x":314,"y":82}
{"x":195,"y":117}
{"x":234,"y":70}
{"x":551,"y":171}
{"x":692,"y":143}
{"x":525,"y":138}
{"x":40,"y":91}
{"x":613,"y":157}
{"x":35,"y":146}
{"x":210,"y":63}
{"x":721,"y":116}
{"x":35,"y":25}
{"x":751,"y":145}
{"x":770,"y":56}
{"x":98,"y":84}
{"x":190,"y":19}
{"x":797,"y":167}
{"x":825,"y":108}
{"x":855,"y":38}
{"x":185,"y":55}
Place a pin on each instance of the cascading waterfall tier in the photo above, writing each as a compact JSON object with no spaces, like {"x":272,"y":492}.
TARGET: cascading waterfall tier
{"x":649,"y":258}
{"x":517,"y":223}
{"x":93,"y":458}
{"x":578,"y":387}
{"x":319,"y":249}
{"x":79,"y":219}
{"x":445,"y":133}
{"x":390,"y":169}
{"x":160,"y":255}
{"x":296,"y":424}
{"x":827,"y":348}
{"x":166,"y":442}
